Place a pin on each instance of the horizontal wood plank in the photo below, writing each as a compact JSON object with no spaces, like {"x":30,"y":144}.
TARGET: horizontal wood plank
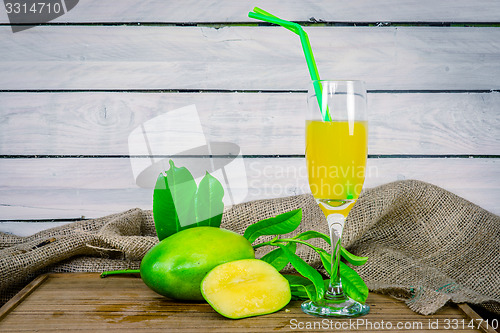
{"x":24,"y":229}
{"x":247,"y":58}
{"x":260,"y":124}
{"x":83,"y":304}
{"x":72,"y":188}
{"x":91,"y":11}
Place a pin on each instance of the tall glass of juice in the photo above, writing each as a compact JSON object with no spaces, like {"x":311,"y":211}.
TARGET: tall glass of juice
{"x":336,"y":153}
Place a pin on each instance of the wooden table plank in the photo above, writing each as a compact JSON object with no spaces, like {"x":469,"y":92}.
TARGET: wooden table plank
{"x":85,"y":302}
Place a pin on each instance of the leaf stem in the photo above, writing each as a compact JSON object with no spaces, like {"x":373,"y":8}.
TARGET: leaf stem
{"x":276,"y":240}
{"x":256,"y":246}
{"x":281,"y":240}
{"x":125,"y":271}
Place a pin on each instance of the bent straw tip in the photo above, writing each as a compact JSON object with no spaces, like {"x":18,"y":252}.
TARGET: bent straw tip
{"x":256,"y":10}
{"x":261,"y":11}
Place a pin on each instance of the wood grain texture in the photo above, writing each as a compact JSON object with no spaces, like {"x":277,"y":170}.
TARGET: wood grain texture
{"x":247,"y":58}
{"x":485,"y":326}
{"x":72,"y":188}
{"x":87,"y":302}
{"x":261,"y":124}
{"x":21,"y":295}
{"x":295,"y":10}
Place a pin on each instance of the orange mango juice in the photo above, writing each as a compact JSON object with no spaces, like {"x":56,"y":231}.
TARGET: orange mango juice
{"x":336,"y":153}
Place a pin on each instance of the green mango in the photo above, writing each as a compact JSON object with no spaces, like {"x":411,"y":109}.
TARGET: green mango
{"x":176,"y":266}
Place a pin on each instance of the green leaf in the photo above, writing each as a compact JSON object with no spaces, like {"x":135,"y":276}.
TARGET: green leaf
{"x":306,"y":271}
{"x":280,"y":224}
{"x":163,"y":209}
{"x":277,"y":258}
{"x":326,"y":260}
{"x":306,"y":235}
{"x":301,"y":292}
{"x":173,"y":205}
{"x":296,"y":279}
{"x":179,"y":204}
{"x":351,"y":258}
{"x":208,"y":202}
{"x":353,"y":284}
{"x":300,"y":287}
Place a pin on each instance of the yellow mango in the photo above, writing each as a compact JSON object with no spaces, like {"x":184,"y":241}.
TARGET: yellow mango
{"x":245,"y":288}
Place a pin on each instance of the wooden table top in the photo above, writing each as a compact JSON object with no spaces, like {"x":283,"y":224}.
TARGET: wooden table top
{"x":85,"y":302}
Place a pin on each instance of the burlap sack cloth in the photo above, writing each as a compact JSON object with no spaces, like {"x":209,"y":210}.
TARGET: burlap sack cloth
{"x":425,"y":245}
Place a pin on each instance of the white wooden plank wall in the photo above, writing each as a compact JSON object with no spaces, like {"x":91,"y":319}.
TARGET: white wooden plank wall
{"x":230,"y":11}
{"x":246,"y":58}
{"x":73,"y":90}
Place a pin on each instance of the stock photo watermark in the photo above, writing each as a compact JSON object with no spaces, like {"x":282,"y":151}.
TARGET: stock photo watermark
{"x":383,"y":325}
{"x":287,"y":179}
{"x":179,"y":136}
{"x":26,"y":14}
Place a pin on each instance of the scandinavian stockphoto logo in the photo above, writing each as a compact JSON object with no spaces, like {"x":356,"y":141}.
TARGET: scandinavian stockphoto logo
{"x":25,"y":14}
{"x":178,"y":135}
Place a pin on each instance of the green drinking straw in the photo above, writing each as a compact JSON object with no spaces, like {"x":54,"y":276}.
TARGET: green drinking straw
{"x":262,"y":15}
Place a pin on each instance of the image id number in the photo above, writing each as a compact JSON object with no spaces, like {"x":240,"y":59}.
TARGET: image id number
{"x":33,"y":8}
{"x":462,"y":324}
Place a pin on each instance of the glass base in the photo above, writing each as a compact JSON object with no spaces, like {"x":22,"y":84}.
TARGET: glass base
{"x":325,"y":308}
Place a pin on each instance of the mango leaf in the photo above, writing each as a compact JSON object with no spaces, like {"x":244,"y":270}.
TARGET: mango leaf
{"x":306,"y":271}
{"x":280,"y":224}
{"x":306,"y":235}
{"x":173,"y":204}
{"x":353,"y":284}
{"x":351,"y":258}
{"x":300,"y":287}
{"x":277,"y":258}
{"x":326,"y":260}
{"x":208,"y":202}
{"x":296,"y":279}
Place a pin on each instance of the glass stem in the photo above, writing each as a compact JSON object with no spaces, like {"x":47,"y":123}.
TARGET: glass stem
{"x":335,"y":212}
{"x":336,"y":226}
